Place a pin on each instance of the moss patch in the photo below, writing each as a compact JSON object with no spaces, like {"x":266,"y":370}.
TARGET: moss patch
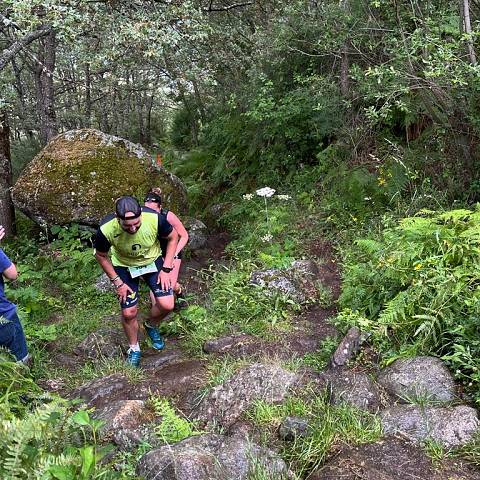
{"x":79,"y":174}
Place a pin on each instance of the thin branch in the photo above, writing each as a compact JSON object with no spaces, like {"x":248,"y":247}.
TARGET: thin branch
{"x":211,"y":8}
{"x":7,"y":54}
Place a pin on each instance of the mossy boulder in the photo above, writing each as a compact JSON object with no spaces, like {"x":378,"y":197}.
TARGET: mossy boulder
{"x":79,"y":174}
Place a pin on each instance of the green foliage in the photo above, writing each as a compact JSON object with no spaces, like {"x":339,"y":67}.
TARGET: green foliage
{"x":263,"y":229}
{"x":471,"y":451}
{"x":328,"y":426}
{"x":233,"y":304}
{"x":17,"y":388}
{"x":416,"y":289}
{"x":45,"y":443}
{"x":22,"y":152}
{"x":172,"y":427}
{"x":319,"y":359}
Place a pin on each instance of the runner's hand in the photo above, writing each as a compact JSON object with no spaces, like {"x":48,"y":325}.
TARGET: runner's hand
{"x":123,"y":292}
{"x":2,"y":232}
{"x":164,"y":280}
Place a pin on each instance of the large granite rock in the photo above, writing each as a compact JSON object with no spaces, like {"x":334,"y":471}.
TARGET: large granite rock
{"x":225,"y":403}
{"x":425,"y":378}
{"x":104,"y":390}
{"x":354,"y":388}
{"x":79,"y":174}
{"x":210,"y":457}
{"x":121,"y":414}
{"x":452,"y":427}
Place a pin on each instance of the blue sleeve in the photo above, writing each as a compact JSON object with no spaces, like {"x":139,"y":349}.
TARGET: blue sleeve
{"x":5,"y":262}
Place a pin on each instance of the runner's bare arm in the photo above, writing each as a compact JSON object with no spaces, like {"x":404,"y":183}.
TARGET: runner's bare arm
{"x":164,"y":278}
{"x":181,"y":230}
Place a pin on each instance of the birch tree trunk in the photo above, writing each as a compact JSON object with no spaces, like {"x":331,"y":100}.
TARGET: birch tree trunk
{"x":467,"y":28}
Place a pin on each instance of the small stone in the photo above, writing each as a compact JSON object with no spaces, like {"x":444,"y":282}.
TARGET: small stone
{"x":347,"y":349}
{"x":293,"y":427}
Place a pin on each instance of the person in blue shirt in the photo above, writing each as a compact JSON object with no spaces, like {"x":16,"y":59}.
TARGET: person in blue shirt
{"x":11,"y":332}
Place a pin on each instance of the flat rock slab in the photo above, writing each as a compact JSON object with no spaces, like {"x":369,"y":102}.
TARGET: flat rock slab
{"x":452,"y":427}
{"x":103,"y":391}
{"x":297,"y":282}
{"x":153,"y":362}
{"x":225,"y":403}
{"x":235,"y":343}
{"x":121,"y":414}
{"x":418,"y":377}
{"x":209,"y":457}
{"x":390,"y":459}
{"x":173,"y":379}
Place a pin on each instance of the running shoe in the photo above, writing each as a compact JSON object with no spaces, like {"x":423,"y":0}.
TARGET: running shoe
{"x":155,"y":337}
{"x":133,"y":357}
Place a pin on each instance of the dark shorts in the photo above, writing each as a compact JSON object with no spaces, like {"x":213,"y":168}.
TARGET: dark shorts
{"x":150,"y":279}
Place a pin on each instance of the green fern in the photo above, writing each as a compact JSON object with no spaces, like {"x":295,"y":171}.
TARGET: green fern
{"x":418,"y":285}
{"x":173,"y":427}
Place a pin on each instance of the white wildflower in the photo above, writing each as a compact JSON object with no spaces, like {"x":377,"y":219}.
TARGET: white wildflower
{"x":265,"y":192}
{"x":266,"y":238}
{"x":367,"y":198}
{"x":284,"y":197}
{"x":247,"y":196}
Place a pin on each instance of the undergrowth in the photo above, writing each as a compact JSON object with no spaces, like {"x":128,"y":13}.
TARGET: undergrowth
{"x":329,"y":427}
{"x":416,"y":290}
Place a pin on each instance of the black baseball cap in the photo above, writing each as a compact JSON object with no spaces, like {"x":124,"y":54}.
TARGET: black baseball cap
{"x":127,"y":204}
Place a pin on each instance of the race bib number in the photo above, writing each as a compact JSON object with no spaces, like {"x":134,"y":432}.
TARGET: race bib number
{"x":139,"y":271}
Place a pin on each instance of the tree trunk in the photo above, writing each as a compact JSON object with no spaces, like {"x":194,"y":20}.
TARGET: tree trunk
{"x":148,"y":133}
{"x":44,"y":89}
{"x":467,"y":28}
{"x":344,"y":64}
{"x":7,"y":211}
{"x":88,"y":97}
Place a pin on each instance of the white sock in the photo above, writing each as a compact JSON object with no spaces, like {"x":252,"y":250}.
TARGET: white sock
{"x":25,"y":359}
{"x":135,"y":348}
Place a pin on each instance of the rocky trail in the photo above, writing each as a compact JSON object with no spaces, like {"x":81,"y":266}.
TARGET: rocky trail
{"x":231,"y":445}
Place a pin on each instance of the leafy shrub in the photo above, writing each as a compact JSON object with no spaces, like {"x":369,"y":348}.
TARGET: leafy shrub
{"x":417,"y":289}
